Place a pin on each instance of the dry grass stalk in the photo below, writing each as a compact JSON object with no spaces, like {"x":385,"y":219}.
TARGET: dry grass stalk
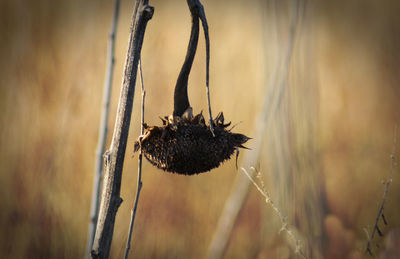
{"x":380,"y":213}
{"x":285,"y":225}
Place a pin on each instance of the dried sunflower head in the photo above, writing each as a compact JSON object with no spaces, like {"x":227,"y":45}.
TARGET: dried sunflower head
{"x":185,"y":145}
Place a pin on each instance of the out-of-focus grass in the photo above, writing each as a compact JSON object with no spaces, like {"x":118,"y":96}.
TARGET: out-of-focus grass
{"x":52,"y":70}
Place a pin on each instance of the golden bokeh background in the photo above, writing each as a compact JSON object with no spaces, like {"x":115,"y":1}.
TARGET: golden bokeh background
{"x":325,"y":148}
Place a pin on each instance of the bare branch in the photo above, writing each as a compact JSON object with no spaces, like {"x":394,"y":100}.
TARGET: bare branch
{"x":114,"y":157}
{"x":94,"y":209}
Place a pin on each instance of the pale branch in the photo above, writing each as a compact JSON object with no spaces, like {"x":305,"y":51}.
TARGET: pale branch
{"x":139,"y":179}
{"x":271,"y":102}
{"x":114,"y":157}
{"x":103,"y":130}
{"x":380,"y":213}
{"x":285,"y":225}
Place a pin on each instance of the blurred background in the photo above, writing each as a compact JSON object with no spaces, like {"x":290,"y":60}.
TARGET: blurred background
{"x":315,"y":83}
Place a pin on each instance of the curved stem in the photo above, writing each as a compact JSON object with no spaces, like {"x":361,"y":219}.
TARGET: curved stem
{"x":181,"y":100}
{"x":207,"y":38}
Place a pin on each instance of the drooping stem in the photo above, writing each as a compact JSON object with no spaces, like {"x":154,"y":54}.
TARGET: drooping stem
{"x":181,"y":99}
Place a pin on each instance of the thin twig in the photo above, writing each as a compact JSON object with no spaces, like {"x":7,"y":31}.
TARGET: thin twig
{"x":139,"y":179}
{"x":94,"y":208}
{"x":114,"y":157}
{"x":207,"y":38}
{"x":285,"y":226}
{"x":385,"y":192}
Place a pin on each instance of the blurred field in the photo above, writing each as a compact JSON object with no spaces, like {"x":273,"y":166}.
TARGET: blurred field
{"x":325,"y":150}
